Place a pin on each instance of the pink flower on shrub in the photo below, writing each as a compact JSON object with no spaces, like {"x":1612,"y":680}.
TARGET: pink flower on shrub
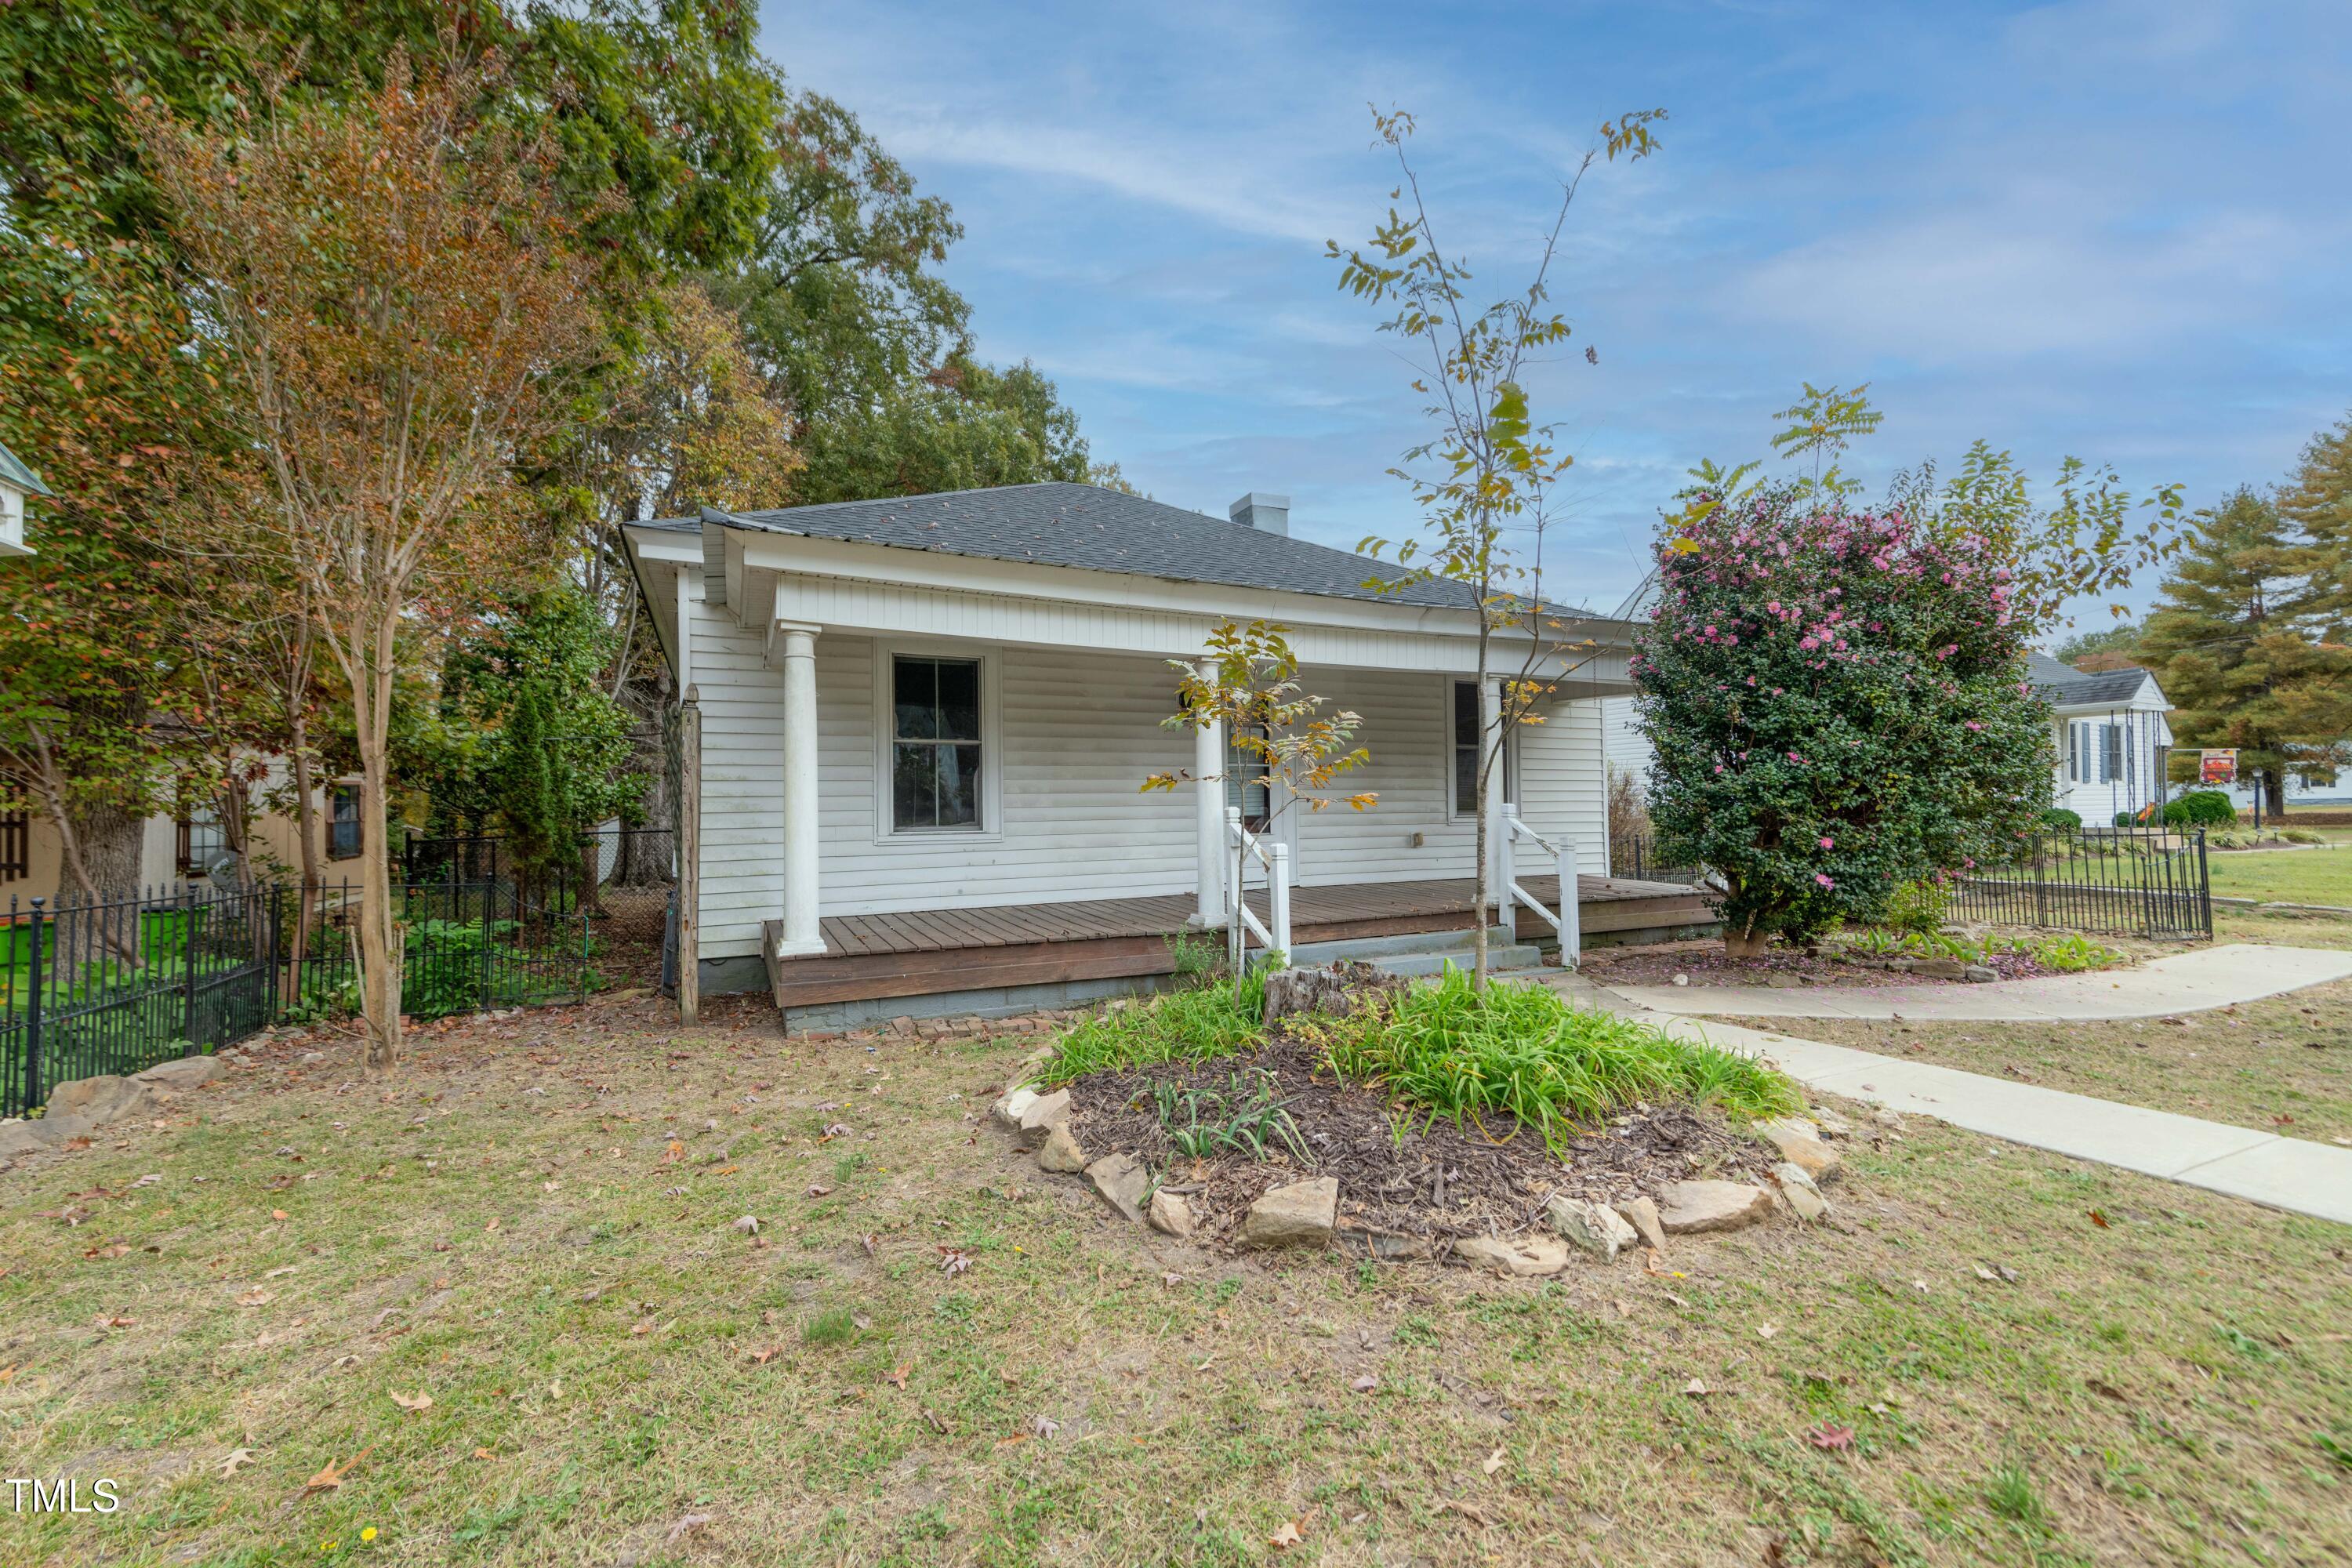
{"x":1824,"y":878}
{"x":1828,"y":843}
{"x":1974,"y":725}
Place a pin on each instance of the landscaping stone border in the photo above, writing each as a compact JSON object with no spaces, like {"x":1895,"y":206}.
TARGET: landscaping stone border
{"x":1307,"y":1213}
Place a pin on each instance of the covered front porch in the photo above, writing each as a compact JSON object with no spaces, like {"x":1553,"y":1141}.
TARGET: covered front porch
{"x":960,"y":959}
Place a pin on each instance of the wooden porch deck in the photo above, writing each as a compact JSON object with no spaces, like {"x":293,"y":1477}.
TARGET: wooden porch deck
{"x":930,"y":951}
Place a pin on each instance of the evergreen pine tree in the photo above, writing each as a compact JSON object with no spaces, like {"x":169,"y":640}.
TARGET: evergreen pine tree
{"x":2318,"y":501}
{"x":2228,"y":649}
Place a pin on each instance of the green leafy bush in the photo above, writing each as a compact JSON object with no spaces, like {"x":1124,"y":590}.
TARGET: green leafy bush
{"x":1837,"y":705}
{"x":2063,"y":820}
{"x":2072,"y":954}
{"x":2202,"y":807}
{"x":1918,"y":907}
{"x":1193,"y":1025}
{"x":1247,"y":1117}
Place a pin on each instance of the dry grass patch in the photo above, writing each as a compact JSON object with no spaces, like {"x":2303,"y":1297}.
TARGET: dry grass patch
{"x":928,"y":1353}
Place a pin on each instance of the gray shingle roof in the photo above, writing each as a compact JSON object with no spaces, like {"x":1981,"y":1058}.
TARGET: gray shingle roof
{"x":1063,"y":524}
{"x":2067,"y":686}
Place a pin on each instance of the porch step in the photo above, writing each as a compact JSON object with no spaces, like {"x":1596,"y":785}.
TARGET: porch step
{"x":1375,"y":948}
{"x":1500,"y":960}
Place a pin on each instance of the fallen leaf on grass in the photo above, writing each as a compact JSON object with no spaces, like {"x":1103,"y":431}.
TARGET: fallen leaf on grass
{"x":819,"y":1189}
{"x":749,"y":1224}
{"x":686,"y":1525}
{"x":237,"y":1459}
{"x":932,"y":1417}
{"x":1293,"y":1532}
{"x":1696,"y":1389}
{"x":330,"y":1475}
{"x":279,"y":1214}
{"x":257,"y":1297}
{"x":762,"y":1358}
{"x":1766,"y":1330}
{"x":1366,"y":1384}
{"x":2099,"y":1219}
{"x":1492,"y":1462}
{"x":117,"y":1250}
{"x":420,"y":1400}
{"x":1470,"y":1511}
{"x":954,"y":1261}
{"x":1834,"y":1438}
{"x":896,"y":1377}
{"x":643,"y":1326}
{"x":484,"y":1454}
{"x":869,"y":1243}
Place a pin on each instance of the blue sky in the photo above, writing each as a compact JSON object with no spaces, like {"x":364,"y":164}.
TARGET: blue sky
{"x":2117,"y":228}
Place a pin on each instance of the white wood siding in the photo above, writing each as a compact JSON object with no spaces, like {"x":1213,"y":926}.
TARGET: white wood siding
{"x":1562,"y":788}
{"x":1077,"y":732}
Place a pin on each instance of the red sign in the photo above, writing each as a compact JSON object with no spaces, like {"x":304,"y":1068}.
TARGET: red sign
{"x":2217,"y":767}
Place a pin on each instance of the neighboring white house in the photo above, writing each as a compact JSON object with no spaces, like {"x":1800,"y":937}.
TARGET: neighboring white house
{"x":927,"y":723}
{"x":2112,"y":738}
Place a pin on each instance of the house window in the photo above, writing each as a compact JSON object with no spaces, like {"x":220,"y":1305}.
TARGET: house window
{"x":201,"y":841}
{"x":2111,"y":753}
{"x":15,"y":845}
{"x":1466,"y":750}
{"x":934,"y":747}
{"x":342,"y":821}
{"x":1248,"y":783}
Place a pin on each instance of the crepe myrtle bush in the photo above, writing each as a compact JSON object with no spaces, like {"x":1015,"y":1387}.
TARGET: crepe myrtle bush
{"x":1838,"y":705}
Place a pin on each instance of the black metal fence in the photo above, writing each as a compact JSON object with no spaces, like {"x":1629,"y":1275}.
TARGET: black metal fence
{"x":626,"y":875}
{"x":1634,"y":857}
{"x":2121,"y":883}
{"x":116,"y":986}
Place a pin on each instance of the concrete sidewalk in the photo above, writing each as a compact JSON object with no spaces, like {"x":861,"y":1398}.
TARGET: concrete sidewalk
{"x":2184,"y":983}
{"x":2288,"y":1174}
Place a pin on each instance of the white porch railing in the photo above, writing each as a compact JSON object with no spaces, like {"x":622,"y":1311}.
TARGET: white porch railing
{"x":1568,"y":922}
{"x":1241,"y":923}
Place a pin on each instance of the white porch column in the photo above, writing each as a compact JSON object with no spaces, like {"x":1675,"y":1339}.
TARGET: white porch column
{"x":1490,"y":805}
{"x":801,"y":933}
{"x":688,"y":592}
{"x":1209,"y":825}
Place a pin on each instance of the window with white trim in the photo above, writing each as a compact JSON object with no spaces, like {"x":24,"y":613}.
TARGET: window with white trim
{"x":1248,"y":781}
{"x":935,"y":744}
{"x":1466,"y":727}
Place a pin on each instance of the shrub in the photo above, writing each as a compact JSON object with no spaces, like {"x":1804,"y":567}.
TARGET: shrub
{"x":2058,"y":819}
{"x":1837,"y":704}
{"x":2202,"y":807}
{"x":1918,"y":907}
{"x":1205,"y":1022}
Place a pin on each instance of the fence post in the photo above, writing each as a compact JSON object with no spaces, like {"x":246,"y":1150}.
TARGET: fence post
{"x":33,"y":1015}
{"x":188,"y":970}
{"x":688,"y":849}
{"x":2205,"y":886}
{"x":1506,"y":876}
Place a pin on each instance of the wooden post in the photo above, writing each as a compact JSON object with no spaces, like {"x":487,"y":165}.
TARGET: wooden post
{"x":690,"y":858}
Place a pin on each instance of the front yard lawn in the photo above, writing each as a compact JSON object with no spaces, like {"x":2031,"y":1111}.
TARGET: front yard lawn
{"x":930,"y":1352}
{"x":2316,"y":875}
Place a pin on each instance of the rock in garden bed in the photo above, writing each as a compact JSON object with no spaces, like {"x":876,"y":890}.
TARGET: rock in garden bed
{"x":1417,"y":1185}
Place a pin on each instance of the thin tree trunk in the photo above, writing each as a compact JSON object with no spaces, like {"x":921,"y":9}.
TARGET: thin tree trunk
{"x":380,"y":938}
{"x":306,"y":830}
{"x":1483,"y":883}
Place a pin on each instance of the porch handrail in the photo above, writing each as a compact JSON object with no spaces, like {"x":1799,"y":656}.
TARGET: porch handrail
{"x":1569,"y":922}
{"x":1242,"y":924}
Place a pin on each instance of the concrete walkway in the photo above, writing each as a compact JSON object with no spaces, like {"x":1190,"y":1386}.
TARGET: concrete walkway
{"x":2184,"y":983}
{"x":2288,"y":1174}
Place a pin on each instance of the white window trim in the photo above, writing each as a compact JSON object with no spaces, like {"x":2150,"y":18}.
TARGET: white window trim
{"x":991,"y":830}
{"x":1454,"y":810}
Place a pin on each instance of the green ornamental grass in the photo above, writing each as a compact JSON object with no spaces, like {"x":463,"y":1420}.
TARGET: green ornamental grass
{"x":1524,"y":1051}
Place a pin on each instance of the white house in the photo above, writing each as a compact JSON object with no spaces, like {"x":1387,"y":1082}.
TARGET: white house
{"x":17,"y":483}
{"x":926,"y":721}
{"x":2112,"y":738}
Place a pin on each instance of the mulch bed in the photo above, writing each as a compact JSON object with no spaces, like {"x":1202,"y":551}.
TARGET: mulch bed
{"x":1400,"y":1176}
{"x":1704,"y":964}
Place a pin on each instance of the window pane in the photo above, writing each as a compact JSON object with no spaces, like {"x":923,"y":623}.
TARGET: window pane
{"x":959,"y":681}
{"x":916,"y":697}
{"x":959,"y":785}
{"x":1465,"y":713}
{"x":1465,"y":781}
{"x":914,"y":786}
